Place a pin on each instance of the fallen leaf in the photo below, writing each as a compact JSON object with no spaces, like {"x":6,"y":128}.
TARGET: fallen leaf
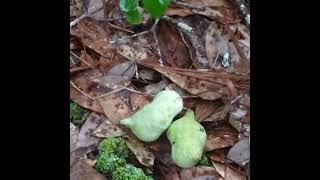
{"x":220,"y":114}
{"x":220,"y":137}
{"x":88,"y":59}
{"x":138,"y":101}
{"x":179,"y":90}
{"x":195,"y":86}
{"x":173,"y":50}
{"x":235,"y":117}
{"x":85,"y":101}
{"x":74,"y":132}
{"x":114,"y":107}
{"x":205,"y":109}
{"x":154,"y":89}
{"x":228,"y":173}
{"x":118,"y":76}
{"x":169,"y":173}
{"x":94,"y":37}
{"x":200,"y":173}
{"x":82,"y":171}
{"x":215,"y":45}
{"x":80,"y":153}
{"x":240,"y":152}
{"x":171,"y":11}
{"x":141,"y":151}
{"x":86,"y":138}
{"x":108,"y":130}
{"x":149,"y":74}
{"x":218,"y":156}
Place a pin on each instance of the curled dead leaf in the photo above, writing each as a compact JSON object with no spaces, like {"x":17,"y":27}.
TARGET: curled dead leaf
{"x":205,"y":109}
{"x":141,"y":151}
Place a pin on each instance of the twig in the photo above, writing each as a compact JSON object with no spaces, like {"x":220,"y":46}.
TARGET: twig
{"x":81,"y":91}
{"x":84,"y":15}
{"x":187,"y":5}
{"x":185,"y":43}
{"x":153,"y":30}
{"x":181,"y":25}
{"x":79,"y":69}
{"x":120,"y":28}
{"x":106,"y":94}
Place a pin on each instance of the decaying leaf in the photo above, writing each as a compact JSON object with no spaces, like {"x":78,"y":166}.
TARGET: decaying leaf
{"x":94,"y":37}
{"x":173,"y":50}
{"x":74,"y":132}
{"x":85,"y":101}
{"x":171,"y":11}
{"x":205,"y":109}
{"x":154,"y":89}
{"x":138,"y":101}
{"x":119,"y":76}
{"x":114,"y":107}
{"x":220,"y":113}
{"x":216,"y":45}
{"x":228,"y":173}
{"x":83,"y":171}
{"x":240,"y":152}
{"x":108,"y":130}
{"x":220,"y":137}
{"x":86,"y":138}
{"x":170,"y":173}
{"x":141,"y":151}
{"x":200,"y":173}
{"x":196,"y":86}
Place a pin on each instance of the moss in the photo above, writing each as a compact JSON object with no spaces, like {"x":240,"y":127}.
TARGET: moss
{"x":129,"y":172}
{"x":205,"y":161}
{"x":113,"y":153}
{"x":77,"y":113}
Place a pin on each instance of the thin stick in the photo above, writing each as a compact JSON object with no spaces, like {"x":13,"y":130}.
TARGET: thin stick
{"x":81,"y":90}
{"x":79,"y":69}
{"x":120,"y":28}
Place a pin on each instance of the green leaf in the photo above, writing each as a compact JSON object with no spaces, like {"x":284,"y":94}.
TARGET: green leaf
{"x":155,"y":7}
{"x":130,"y":9}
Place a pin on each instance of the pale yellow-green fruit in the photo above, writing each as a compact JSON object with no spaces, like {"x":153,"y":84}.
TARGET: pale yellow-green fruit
{"x":154,"y":118}
{"x":187,"y":138}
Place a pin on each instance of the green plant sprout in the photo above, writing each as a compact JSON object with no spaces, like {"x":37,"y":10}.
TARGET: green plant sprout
{"x":155,"y":8}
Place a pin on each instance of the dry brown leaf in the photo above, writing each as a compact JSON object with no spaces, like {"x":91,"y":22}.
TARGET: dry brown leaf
{"x":220,"y":113}
{"x":83,"y":171}
{"x":114,"y":107}
{"x":200,"y":173}
{"x":94,"y":37}
{"x":173,"y":49}
{"x":154,"y":89}
{"x":170,"y":173}
{"x":202,"y":88}
{"x":205,"y":109}
{"x":74,"y":132}
{"x":118,"y":76}
{"x":86,"y":138}
{"x":141,"y":151}
{"x":85,"y":101}
{"x":171,"y":11}
{"x":215,"y":46}
{"x":108,"y":130}
{"x":88,"y":60}
{"x":220,"y":137}
{"x":228,"y":173}
{"x":138,"y":101}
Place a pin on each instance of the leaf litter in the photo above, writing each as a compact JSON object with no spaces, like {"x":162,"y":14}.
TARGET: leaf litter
{"x":209,"y":68}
